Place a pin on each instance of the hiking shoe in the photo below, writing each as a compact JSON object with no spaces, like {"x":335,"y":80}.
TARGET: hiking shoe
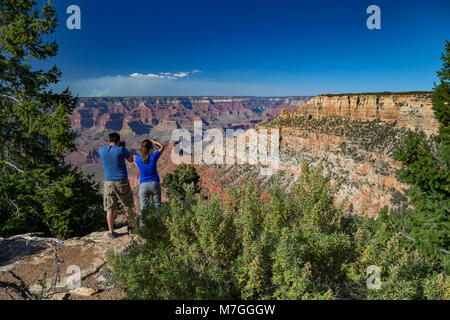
{"x":130,"y":229}
{"x":112,"y":235}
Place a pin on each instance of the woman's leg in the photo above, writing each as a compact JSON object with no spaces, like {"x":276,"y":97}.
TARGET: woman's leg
{"x":143,"y":200}
{"x":157,"y":196}
{"x":155,"y":191}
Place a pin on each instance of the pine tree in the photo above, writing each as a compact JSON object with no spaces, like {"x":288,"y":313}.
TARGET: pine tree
{"x":38,"y":191}
{"x":426,"y":164}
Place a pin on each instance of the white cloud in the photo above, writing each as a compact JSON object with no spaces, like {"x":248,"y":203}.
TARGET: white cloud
{"x":163,"y":75}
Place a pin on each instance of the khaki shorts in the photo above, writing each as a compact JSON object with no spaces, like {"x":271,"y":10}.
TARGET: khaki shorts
{"x":115,"y":191}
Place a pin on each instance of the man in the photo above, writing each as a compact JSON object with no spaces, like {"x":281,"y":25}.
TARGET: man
{"x":116,"y":185}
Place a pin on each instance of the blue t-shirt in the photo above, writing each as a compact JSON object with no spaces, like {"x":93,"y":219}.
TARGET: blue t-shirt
{"x":148,"y":170}
{"x":113,"y":160}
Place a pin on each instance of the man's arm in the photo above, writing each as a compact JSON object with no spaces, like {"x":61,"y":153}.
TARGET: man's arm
{"x":127,"y":155}
{"x":159,"y":145}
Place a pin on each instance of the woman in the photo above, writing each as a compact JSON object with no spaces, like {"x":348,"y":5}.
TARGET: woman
{"x":149,"y":183}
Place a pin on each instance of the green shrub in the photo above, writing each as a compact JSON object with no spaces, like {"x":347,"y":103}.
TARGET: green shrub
{"x":298,"y":245}
{"x":177,"y":182}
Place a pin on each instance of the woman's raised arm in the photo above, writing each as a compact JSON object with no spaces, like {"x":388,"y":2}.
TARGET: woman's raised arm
{"x":159,"y":145}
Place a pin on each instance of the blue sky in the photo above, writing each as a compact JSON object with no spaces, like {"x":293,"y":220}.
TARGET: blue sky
{"x":249,"y":47}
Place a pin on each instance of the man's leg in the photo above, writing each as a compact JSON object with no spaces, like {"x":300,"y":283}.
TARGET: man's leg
{"x":110,"y":221}
{"x":126,"y":198}
{"x":131,"y":215}
{"x":109,"y":204}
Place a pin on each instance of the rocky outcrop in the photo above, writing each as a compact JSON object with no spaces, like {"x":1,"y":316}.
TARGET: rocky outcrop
{"x":38,"y":262}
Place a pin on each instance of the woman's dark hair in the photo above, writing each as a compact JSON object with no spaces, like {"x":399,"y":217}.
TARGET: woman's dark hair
{"x":146,"y":147}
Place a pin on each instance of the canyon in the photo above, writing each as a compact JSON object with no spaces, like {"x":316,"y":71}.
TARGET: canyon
{"x":156,"y":117}
{"x":352,"y":136}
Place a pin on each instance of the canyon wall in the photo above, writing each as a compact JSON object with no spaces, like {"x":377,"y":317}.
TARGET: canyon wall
{"x":352,"y":137}
{"x":413,"y":111}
